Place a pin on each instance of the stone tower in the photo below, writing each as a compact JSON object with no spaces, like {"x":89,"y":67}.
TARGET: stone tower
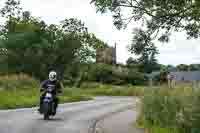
{"x":107,"y":55}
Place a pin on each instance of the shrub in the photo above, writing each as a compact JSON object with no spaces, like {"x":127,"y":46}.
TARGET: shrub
{"x":89,"y":85}
{"x":108,"y":74}
{"x":161,"y":77}
{"x":103,"y":73}
{"x":136,"y":78}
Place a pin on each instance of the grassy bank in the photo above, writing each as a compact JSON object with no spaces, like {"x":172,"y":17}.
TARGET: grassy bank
{"x":20,"y":98}
{"x":111,"y":90}
{"x":30,"y":97}
{"x":20,"y":91}
{"x":166,"y":110}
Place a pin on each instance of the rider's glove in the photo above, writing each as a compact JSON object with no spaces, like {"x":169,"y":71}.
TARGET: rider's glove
{"x":42,"y":89}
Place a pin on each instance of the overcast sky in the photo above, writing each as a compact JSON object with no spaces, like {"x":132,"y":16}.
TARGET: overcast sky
{"x":178,"y":51}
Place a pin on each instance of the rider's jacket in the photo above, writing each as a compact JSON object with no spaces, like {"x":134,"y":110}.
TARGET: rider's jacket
{"x":55,"y":85}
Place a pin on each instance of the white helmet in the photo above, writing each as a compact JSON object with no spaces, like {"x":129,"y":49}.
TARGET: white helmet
{"x":52,"y":76}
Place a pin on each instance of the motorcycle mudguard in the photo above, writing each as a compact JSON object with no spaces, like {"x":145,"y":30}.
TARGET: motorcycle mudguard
{"x":50,"y":106}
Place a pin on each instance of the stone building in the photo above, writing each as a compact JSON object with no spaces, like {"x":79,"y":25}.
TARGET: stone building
{"x":106,"y":55}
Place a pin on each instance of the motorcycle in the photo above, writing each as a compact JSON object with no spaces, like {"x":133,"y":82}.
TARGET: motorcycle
{"x":48,"y":104}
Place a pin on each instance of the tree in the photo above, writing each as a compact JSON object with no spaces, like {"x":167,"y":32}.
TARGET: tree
{"x":131,"y":62}
{"x":145,"y":49}
{"x":36,"y":52}
{"x":148,"y":64}
{"x":11,"y":11}
{"x":35,"y":48}
{"x":193,"y":67}
{"x":182,"y":67}
{"x":158,"y":17}
{"x":79,"y":31}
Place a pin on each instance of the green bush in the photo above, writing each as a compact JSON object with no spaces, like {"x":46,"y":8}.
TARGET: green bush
{"x":120,"y":76}
{"x":108,"y":74}
{"x":136,"y":78}
{"x":102,"y":73}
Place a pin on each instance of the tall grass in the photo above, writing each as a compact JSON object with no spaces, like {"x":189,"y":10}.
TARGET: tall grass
{"x":170,"y":110}
{"x":17,"y":81}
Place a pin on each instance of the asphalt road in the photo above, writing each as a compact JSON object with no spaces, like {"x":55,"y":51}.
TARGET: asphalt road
{"x":80,"y":117}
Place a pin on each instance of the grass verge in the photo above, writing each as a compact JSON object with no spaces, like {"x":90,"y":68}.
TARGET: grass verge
{"x":177,"y":110}
{"x":111,"y":90}
{"x":24,"y":98}
{"x":13,"y":99}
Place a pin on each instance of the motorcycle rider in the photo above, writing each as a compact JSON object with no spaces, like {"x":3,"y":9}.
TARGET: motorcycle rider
{"x":55,"y":84}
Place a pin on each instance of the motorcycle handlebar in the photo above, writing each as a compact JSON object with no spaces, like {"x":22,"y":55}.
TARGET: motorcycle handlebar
{"x":42,"y":90}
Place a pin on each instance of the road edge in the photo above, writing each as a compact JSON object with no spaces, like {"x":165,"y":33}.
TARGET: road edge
{"x":93,"y":128}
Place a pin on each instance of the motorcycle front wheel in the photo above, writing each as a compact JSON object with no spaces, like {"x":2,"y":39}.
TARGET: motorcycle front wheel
{"x":46,"y":111}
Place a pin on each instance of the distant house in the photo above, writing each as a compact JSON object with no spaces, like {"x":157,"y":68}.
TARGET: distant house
{"x":186,"y":75}
{"x":181,"y":75}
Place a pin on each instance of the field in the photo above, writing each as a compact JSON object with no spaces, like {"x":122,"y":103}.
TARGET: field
{"x":162,"y":110}
{"x":20,"y":92}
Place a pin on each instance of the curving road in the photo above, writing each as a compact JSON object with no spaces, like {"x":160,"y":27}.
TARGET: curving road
{"x":79,"y":117}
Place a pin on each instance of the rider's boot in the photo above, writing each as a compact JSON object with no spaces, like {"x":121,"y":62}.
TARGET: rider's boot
{"x":39,"y":109}
{"x":55,"y":107}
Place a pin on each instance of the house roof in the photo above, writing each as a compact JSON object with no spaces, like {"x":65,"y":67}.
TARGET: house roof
{"x":188,"y":76}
